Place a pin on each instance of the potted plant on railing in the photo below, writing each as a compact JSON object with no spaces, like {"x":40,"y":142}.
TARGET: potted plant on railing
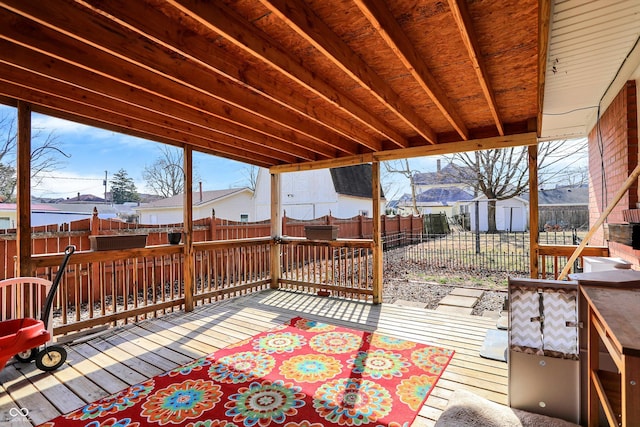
{"x":174,"y":236}
{"x":107,"y":242}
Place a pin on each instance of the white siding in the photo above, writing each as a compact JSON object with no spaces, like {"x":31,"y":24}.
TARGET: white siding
{"x":308,"y":195}
{"x":230,"y":208}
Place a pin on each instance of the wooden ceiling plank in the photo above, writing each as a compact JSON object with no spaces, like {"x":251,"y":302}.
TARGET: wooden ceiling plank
{"x":153,"y":24}
{"x":167,"y":110}
{"x":224,"y":21}
{"x":467,"y":33}
{"x":84,"y":104}
{"x":492,"y":143}
{"x":196,"y":84}
{"x":301,"y":18}
{"x":390,"y":31}
{"x":84,"y":113}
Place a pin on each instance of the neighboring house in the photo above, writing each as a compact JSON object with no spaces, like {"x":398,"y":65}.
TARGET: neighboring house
{"x":344,"y":192}
{"x":449,"y":176}
{"x":234,"y":204}
{"x":563,"y":207}
{"x":55,"y":213}
{"x":436,"y":200}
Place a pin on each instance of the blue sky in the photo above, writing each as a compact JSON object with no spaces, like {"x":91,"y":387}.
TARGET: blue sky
{"x":94,"y":151}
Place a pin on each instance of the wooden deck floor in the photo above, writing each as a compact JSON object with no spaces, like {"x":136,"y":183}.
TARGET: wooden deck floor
{"x":127,"y":355}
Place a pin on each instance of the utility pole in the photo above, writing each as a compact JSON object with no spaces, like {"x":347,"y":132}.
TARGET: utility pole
{"x":104,"y":182}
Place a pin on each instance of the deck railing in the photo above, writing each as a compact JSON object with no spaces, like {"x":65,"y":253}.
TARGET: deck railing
{"x":553,"y":258}
{"x":343,"y":267}
{"x":107,"y":287}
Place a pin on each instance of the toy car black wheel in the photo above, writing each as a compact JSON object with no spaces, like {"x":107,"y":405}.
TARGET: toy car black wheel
{"x":27,"y":355}
{"x":51,"y":358}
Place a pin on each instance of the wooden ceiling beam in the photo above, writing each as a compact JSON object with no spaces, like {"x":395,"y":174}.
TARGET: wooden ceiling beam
{"x":224,"y":21}
{"x":390,"y":31}
{"x":166,"y":110}
{"x":85,"y":113}
{"x":153,"y":24}
{"x":493,"y":143}
{"x":301,"y":18}
{"x":465,"y":27}
{"x":129,"y":56}
{"x":544,"y":16}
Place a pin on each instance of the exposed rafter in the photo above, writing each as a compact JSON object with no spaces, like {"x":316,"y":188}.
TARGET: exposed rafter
{"x":222,"y":20}
{"x":463,"y":20}
{"x":278,"y":83}
{"x":161,"y":29}
{"x":132,"y":57}
{"x":303,"y":21}
{"x":382,"y":20}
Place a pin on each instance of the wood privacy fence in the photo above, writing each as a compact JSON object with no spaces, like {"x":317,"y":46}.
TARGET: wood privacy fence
{"x":230,"y":258}
{"x":54,"y":238}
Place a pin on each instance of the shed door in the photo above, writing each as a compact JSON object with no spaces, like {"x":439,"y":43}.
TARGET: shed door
{"x":514,"y":221}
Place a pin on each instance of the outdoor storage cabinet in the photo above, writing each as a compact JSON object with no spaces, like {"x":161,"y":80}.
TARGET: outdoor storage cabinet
{"x":544,"y":366}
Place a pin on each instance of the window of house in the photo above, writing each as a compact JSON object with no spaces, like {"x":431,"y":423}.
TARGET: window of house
{"x":244,"y":217}
{"x":363,"y":213}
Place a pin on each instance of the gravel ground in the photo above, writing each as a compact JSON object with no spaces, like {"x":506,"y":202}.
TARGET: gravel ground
{"x":431,"y":293}
{"x":410,"y":281}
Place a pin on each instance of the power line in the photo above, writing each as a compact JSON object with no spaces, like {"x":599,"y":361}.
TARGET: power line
{"x":70,"y":178}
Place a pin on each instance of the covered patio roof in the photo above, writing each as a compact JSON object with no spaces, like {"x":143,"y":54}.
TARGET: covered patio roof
{"x":276,"y":83}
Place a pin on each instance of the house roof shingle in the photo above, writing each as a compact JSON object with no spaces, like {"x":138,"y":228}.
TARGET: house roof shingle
{"x":444,"y":195}
{"x":447,"y":175}
{"x":353,"y":180}
{"x":564,"y":195}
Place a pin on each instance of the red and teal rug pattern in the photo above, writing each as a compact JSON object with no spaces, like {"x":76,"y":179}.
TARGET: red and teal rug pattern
{"x":301,"y":374}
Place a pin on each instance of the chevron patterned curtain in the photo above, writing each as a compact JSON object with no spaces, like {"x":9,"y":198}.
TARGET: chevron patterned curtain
{"x":526,"y":331}
{"x":544,"y":321}
{"x":560,"y":332}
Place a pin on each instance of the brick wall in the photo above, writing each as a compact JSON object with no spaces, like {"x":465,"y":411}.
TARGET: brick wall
{"x":613,"y":154}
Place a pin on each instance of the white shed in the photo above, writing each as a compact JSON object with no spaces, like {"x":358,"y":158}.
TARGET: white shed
{"x":511,"y":214}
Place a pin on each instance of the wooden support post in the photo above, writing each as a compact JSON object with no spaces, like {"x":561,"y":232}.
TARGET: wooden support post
{"x":534,"y":237}
{"x":23,"y":205}
{"x":187,"y":212}
{"x":377,"y":237}
{"x":276,"y":231}
{"x":625,"y":186}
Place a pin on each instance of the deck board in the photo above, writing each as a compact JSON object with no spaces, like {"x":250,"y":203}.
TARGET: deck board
{"x":129,"y":354}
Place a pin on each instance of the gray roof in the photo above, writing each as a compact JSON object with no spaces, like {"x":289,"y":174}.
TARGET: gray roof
{"x":447,"y":175}
{"x":353,"y":180}
{"x":207,"y":197}
{"x":564,"y":195}
{"x":444,"y":195}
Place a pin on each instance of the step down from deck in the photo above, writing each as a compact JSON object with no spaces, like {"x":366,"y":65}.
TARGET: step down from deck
{"x":406,"y":303}
{"x":460,"y":301}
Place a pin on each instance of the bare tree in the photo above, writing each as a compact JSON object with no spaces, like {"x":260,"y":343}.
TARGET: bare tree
{"x":44,"y":155}
{"x":401,"y":167}
{"x":165,"y":176}
{"x":251,"y":176}
{"x":504,"y":173}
